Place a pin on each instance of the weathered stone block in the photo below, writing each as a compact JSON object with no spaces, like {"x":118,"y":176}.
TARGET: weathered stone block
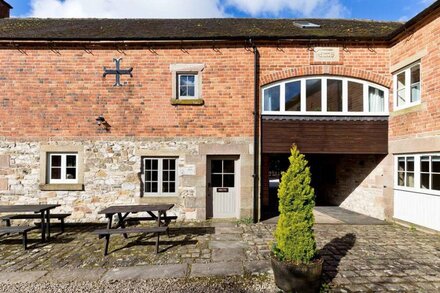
{"x":4,"y":161}
{"x":3,"y":184}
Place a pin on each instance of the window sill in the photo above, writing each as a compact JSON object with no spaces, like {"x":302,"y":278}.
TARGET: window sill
{"x":62,"y":187}
{"x":407,"y":109}
{"x":189,"y":102}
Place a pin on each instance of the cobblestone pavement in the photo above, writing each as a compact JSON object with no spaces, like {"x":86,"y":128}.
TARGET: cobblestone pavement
{"x":357,"y":257}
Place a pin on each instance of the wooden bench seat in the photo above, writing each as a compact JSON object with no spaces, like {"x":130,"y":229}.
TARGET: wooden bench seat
{"x":105,"y":233}
{"x":7,"y":219}
{"x":167,"y":219}
{"x":19,"y":230}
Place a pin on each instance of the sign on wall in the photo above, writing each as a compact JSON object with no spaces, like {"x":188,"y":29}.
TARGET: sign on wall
{"x":326,"y":54}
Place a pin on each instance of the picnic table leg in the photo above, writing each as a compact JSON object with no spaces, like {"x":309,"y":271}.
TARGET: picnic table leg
{"x":110,"y":219}
{"x":107,"y":240}
{"x":43,"y":227}
{"x":48,"y":224}
{"x":121,"y":223}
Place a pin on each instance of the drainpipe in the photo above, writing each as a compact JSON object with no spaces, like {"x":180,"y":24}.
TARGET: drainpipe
{"x":256,"y":128}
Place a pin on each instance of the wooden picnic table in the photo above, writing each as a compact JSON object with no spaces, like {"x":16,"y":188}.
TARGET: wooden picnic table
{"x":124,"y":210}
{"x":43,"y":209}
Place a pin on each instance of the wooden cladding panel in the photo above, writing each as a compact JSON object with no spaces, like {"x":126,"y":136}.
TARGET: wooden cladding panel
{"x":325,"y":136}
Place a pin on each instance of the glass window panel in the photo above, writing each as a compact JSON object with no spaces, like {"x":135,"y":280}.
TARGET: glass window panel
{"x":401,"y":81}
{"x":376,"y":100}
{"x":410,"y":164}
{"x":228,"y":166}
{"x":216,"y":166}
{"x":415,"y":93}
{"x":172,"y":164}
{"x":191,"y":79}
{"x":293,"y":96}
{"x":154,"y":175}
{"x":424,"y":164}
{"x":228,"y":181}
{"x":334,"y":95}
{"x":272,"y":99}
{"x":415,"y":74}
{"x":154,"y":187}
{"x":147,"y":164}
{"x":55,"y":173}
{"x":172,"y":176}
{"x":71,"y":173}
{"x":435,"y":181}
{"x":355,"y":97}
{"x":56,"y":161}
{"x":216,"y":180}
{"x":148,"y":176}
{"x":172,"y":187}
{"x":424,"y":181}
{"x":313,"y":95}
{"x":148,"y":186}
{"x":401,"y":179}
{"x":401,"y":164}
{"x":165,"y":164}
{"x":71,"y":161}
{"x":155,"y":164}
{"x":410,"y":179}
{"x":435,"y":167}
{"x":415,"y":83}
{"x":165,"y":176}
{"x":183,"y":80}
{"x":183,"y":91}
{"x":191,"y":91}
{"x":165,"y":187}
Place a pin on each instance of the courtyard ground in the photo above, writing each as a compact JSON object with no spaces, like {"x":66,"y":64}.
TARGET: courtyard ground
{"x":223,"y":256}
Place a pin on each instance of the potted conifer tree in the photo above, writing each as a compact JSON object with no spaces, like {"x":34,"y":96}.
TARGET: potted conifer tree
{"x":295,"y":262}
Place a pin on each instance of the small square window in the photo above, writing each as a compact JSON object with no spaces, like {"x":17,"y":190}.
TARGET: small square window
{"x":62,"y":168}
{"x":407,"y":86}
{"x":187,"y":86}
{"x":159,"y":176}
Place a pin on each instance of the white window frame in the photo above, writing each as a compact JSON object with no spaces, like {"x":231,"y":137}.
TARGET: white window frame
{"x":325,"y":111}
{"x":63,"y":179}
{"x":196,"y":85}
{"x":407,"y":72}
{"x":160,"y":176}
{"x":417,"y":173}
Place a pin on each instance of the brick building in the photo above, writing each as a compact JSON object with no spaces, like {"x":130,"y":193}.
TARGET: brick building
{"x":202,"y":113}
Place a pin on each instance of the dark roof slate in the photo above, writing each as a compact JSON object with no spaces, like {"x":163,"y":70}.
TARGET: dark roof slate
{"x":191,"y":29}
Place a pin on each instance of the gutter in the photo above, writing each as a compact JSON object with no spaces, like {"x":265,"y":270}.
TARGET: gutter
{"x":256,"y":130}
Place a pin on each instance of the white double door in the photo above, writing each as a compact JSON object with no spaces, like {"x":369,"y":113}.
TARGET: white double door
{"x":222,"y":201}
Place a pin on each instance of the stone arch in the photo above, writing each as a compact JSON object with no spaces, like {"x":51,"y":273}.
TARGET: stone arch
{"x":337,"y":70}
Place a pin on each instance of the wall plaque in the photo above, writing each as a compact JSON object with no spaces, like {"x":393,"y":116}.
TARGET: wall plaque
{"x":222,"y":189}
{"x":188,"y":170}
{"x":326,"y":54}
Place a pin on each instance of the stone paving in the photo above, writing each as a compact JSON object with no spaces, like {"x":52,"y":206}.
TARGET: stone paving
{"x":357,"y":257}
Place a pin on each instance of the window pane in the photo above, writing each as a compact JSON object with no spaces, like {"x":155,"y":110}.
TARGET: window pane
{"x":165,"y":176}
{"x":313,"y":94}
{"x":154,"y":175}
{"x":293,"y":96}
{"x":228,"y":181}
{"x":334,"y":95}
{"x":172,"y":187}
{"x":228,"y":166}
{"x":165,"y":187}
{"x":424,"y":164}
{"x":415,"y":83}
{"x":173,"y":164}
{"x":355,"y":97}
{"x":155,"y":164}
{"x":376,"y":100}
{"x":216,"y":166}
{"x":55,"y":173}
{"x":71,"y":161}
{"x":410,"y":179}
{"x":435,"y":181}
{"x":401,"y":81}
{"x":147,"y":186}
{"x":401,"y":164}
{"x":147,"y":164}
{"x":165,"y":164}
{"x":56,"y":161}
{"x":216,"y":180}
{"x":183,"y":91}
{"x":172,"y":176}
{"x":401,"y":179}
{"x":415,"y":74}
{"x":148,"y":176}
{"x":424,"y":183}
{"x":435,"y":168}
{"x":272,"y":99}
{"x":71,"y":173}
{"x":410,"y":164}
{"x":191,"y":79}
{"x":154,"y":187}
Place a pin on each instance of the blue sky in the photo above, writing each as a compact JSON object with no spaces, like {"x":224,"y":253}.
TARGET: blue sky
{"x":361,"y":9}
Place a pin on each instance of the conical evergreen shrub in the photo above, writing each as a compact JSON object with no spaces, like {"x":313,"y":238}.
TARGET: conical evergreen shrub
{"x":294,"y":235}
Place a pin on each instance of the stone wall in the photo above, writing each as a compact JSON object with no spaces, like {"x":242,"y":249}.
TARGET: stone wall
{"x":112,"y":170}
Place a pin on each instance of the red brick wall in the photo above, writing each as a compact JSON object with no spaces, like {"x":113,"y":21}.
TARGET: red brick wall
{"x":60,"y":93}
{"x":424,"y":119}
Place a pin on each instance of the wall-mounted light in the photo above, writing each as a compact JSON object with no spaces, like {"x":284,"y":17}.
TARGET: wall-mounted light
{"x":101,"y":121}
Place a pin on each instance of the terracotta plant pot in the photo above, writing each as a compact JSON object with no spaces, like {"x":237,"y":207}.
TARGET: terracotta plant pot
{"x":291,"y":277}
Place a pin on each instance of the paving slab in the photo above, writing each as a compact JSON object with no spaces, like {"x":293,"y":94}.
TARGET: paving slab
{"x":227,"y":244}
{"x":75,"y":275}
{"x":147,"y":272}
{"x":217,"y":269}
{"x":258,"y":267}
{"x":231,"y":254}
{"x":21,"y":277}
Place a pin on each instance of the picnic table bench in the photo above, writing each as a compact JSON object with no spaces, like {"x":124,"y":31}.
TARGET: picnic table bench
{"x":123,"y":212}
{"x":7,"y":219}
{"x":19,"y":230}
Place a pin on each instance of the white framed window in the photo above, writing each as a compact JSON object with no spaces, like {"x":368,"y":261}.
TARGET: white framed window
{"x":325,"y":95}
{"x":187,"y":85}
{"x":160,"y":176}
{"x":418,"y":172}
{"x":62,"y":168}
{"x":407,"y":87}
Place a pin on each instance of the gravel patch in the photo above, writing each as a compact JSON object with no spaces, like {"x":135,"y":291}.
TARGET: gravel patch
{"x":193,"y":285}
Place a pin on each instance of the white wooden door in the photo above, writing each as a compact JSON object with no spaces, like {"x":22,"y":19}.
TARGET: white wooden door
{"x":222,"y":187}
